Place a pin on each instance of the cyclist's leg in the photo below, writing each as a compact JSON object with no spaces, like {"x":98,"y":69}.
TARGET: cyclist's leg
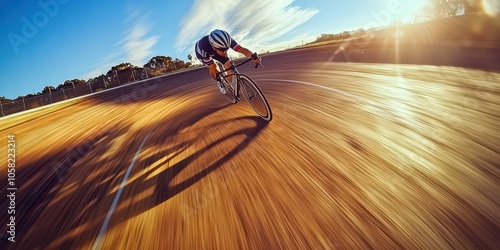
{"x":209,"y":63}
{"x":227,"y":65}
{"x":226,"y":61}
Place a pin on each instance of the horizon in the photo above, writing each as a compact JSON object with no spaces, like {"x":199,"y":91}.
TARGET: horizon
{"x":50,"y":41}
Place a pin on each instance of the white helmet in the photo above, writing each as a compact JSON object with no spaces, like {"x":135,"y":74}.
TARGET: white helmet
{"x":219,"y":39}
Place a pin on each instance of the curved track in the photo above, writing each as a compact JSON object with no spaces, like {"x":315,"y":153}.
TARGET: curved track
{"x":358,"y":155}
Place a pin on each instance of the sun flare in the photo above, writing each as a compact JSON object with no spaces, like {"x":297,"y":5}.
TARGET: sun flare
{"x":491,"y":7}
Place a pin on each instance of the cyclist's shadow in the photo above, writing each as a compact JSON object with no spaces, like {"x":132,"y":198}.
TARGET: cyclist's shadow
{"x":169,"y":174}
{"x":164,"y":181}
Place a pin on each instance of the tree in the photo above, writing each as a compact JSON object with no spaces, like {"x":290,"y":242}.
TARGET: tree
{"x":169,"y":64}
{"x":98,"y":78}
{"x":359,"y":33}
{"x":339,"y":36}
{"x":48,"y":89}
{"x":190,"y":58}
{"x":178,"y":64}
{"x":69,"y":83}
{"x":156,"y":63}
{"x":436,"y":9}
{"x":120,"y":68}
{"x":4,"y":100}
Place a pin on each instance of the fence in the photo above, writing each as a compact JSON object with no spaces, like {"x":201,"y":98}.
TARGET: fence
{"x":93,"y":85}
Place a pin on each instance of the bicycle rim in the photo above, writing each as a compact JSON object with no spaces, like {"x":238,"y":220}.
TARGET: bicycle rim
{"x":255,"y":97}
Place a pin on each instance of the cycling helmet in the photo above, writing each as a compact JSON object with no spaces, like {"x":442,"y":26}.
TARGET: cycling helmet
{"x":219,"y":39}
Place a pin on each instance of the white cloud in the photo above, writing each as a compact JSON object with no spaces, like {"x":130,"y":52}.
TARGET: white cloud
{"x":104,"y":64}
{"x":135,"y":47}
{"x":254,"y":24}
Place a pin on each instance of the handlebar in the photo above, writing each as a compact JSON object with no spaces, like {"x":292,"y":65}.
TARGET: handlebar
{"x":254,"y":55}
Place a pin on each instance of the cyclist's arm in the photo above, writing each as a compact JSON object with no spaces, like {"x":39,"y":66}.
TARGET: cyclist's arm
{"x":247,"y":53}
{"x":244,"y":51}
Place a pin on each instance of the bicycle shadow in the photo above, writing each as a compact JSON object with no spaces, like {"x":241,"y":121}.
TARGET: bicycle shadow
{"x":100,"y":183}
{"x":168,"y":190}
{"x":161,"y":178}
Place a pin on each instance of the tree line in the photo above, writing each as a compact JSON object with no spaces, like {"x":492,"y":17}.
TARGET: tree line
{"x":341,"y":36}
{"x":436,"y":9}
{"x":157,"y":65}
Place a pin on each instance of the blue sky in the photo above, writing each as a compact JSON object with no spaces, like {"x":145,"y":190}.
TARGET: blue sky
{"x":46,"y":42}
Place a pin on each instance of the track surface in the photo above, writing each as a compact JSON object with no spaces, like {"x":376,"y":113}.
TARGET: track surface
{"x":358,"y":155}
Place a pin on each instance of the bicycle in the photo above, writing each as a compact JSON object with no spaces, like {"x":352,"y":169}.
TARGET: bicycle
{"x":246,"y":86}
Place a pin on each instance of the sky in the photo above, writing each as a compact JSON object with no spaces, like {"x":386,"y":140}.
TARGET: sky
{"x":45,"y":42}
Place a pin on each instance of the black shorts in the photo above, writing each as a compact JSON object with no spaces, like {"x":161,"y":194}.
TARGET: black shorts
{"x":222,"y":59}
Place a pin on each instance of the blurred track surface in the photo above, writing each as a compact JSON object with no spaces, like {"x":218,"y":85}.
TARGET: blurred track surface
{"x":358,"y":155}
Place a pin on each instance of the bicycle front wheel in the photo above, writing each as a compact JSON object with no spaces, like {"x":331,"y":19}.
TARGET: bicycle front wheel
{"x":255,"y":97}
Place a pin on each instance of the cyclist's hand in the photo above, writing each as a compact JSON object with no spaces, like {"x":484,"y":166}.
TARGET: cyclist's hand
{"x":256,"y":58}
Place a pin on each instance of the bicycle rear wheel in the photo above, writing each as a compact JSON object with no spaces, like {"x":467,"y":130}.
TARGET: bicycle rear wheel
{"x":229,"y":91}
{"x":255,"y":97}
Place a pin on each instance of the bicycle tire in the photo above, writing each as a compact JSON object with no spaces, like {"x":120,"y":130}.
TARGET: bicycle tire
{"x":229,"y":91}
{"x":255,"y":97}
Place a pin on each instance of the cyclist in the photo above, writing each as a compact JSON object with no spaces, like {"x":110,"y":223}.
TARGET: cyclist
{"x":215,"y":46}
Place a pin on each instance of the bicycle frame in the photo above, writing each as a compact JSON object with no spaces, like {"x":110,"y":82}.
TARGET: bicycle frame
{"x":236,"y":73}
